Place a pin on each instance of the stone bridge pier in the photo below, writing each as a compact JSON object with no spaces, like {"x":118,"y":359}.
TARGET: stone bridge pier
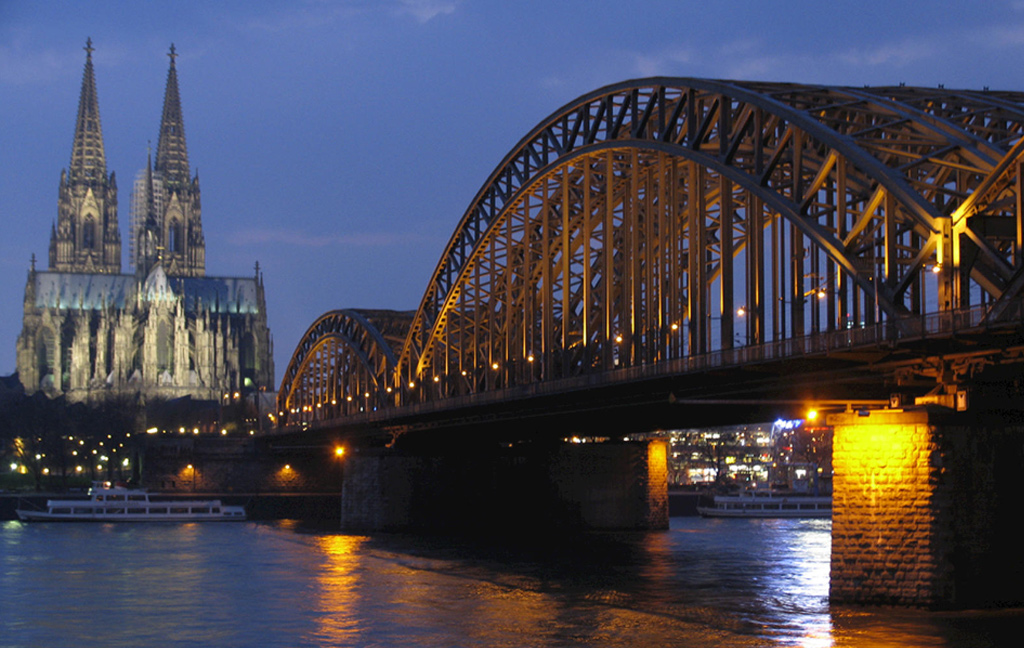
{"x":927,"y":508}
{"x":552,"y":487}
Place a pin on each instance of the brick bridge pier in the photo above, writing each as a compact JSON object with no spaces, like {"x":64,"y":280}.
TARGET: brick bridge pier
{"x":926,"y":509}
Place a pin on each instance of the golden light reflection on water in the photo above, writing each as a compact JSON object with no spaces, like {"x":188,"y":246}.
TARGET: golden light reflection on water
{"x":338,"y":588}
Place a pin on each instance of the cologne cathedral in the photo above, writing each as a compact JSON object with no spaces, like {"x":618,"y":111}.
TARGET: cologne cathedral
{"x":165,"y":329}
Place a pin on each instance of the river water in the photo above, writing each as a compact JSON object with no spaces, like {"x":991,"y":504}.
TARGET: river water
{"x":703,"y":583}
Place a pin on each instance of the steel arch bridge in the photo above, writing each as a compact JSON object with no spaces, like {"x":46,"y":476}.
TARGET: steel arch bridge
{"x":342,"y":364}
{"x":665,"y":219}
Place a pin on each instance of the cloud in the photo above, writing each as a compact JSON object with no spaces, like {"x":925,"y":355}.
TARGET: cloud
{"x":662,"y":62}
{"x":292,"y":17}
{"x":302,"y":239}
{"x":999,"y":36}
{"x":898,"y":54}
{"x":319,"y":14}
{"x":427,"y":10}
{"x":20,"y":65}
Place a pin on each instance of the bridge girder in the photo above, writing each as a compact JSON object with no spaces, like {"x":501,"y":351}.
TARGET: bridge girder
{"x":664,"y":218}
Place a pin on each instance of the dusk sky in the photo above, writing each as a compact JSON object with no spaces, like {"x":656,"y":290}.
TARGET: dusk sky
{"x":338,"y":143}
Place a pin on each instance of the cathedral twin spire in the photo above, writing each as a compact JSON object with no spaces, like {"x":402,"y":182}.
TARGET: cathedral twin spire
{"x":167,"y":218}
{"x":85,"y":237}
{"x":88,"y":161}
{"x":167,"y":230}
{"x":171,"y":154}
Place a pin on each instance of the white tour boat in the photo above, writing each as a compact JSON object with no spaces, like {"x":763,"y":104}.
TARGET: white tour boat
{"x":766,"y":504}
{"x":116,"y":503}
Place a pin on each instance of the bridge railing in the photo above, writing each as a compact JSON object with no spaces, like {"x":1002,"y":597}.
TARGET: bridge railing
{"x":890,"y":332}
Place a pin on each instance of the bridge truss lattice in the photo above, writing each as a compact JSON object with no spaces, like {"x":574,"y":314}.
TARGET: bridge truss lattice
{"x":668,"y":218}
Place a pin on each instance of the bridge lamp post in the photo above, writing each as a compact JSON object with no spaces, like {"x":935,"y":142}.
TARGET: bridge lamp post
{"x":672,"y":341}
{"x":615,"y":349}
{"x":530,"y":370}
{"x":468,"y":386}
{"x":495,"y":376}
{"x":742,"y":313}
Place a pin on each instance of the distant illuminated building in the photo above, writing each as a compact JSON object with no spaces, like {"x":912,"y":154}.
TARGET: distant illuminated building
{"x":788,"y":453}
{"x":167,"y":329}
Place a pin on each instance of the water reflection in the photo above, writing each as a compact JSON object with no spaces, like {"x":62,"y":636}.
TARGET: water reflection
{"x":338,"y":584}
{"x":606,"y":589}
{"x":703,"y":583}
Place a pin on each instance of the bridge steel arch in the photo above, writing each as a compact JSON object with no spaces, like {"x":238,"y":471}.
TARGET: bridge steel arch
{"x":665,"y":218}
{"x":340,"y":367}
{"x":661,"y":218}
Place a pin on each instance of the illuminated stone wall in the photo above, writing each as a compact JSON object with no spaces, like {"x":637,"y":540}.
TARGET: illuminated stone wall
{"x":235,"y":465}
{"x":924,"y":509}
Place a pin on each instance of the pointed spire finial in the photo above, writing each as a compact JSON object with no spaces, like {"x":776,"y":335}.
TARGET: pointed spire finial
{"x":171,"y":152}
{"x":33,"y":262}
{"x":88,"y":160}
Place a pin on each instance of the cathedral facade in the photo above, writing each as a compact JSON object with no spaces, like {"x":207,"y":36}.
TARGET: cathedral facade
{"x":165,"y":329}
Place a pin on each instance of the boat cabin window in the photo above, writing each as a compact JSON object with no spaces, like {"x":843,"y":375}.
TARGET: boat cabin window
{"x":115,"y":511}
{"x":179,"y":509}
{"x":136,"y":498}
{"x":83,"y":510}
{"x":215,"y":510}
{"x":158,"y":509}
{"x":204,"y":509}
{"x":136,"y":511}
{"x":115,"y":498}
{"x":61,"y":510}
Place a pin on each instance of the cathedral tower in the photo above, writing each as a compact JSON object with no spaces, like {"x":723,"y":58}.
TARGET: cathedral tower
{"x":171,"y":230}
{"x":86,"y":237}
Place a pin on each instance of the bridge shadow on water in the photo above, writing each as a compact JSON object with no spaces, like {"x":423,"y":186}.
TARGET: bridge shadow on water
{"x":702,"y":582}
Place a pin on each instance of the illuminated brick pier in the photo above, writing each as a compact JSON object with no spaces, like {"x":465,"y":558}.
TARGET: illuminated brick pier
{"x":924,"y":510}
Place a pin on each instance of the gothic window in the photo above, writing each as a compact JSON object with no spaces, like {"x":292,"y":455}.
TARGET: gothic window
{"x":247,"y":354}
{"x":67,"y":354}
{"x":174,"y":243}
{"x":163,"y":347}
{"x":44,"y":352}
{"x":89,"y":234}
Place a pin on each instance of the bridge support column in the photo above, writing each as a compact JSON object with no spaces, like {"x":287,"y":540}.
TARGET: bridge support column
{"x":924,"y":510}
{"x":568,"y":487}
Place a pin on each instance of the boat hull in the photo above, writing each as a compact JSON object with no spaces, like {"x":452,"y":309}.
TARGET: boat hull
{"x":46,"y":516}
{"x":733,"y":506}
